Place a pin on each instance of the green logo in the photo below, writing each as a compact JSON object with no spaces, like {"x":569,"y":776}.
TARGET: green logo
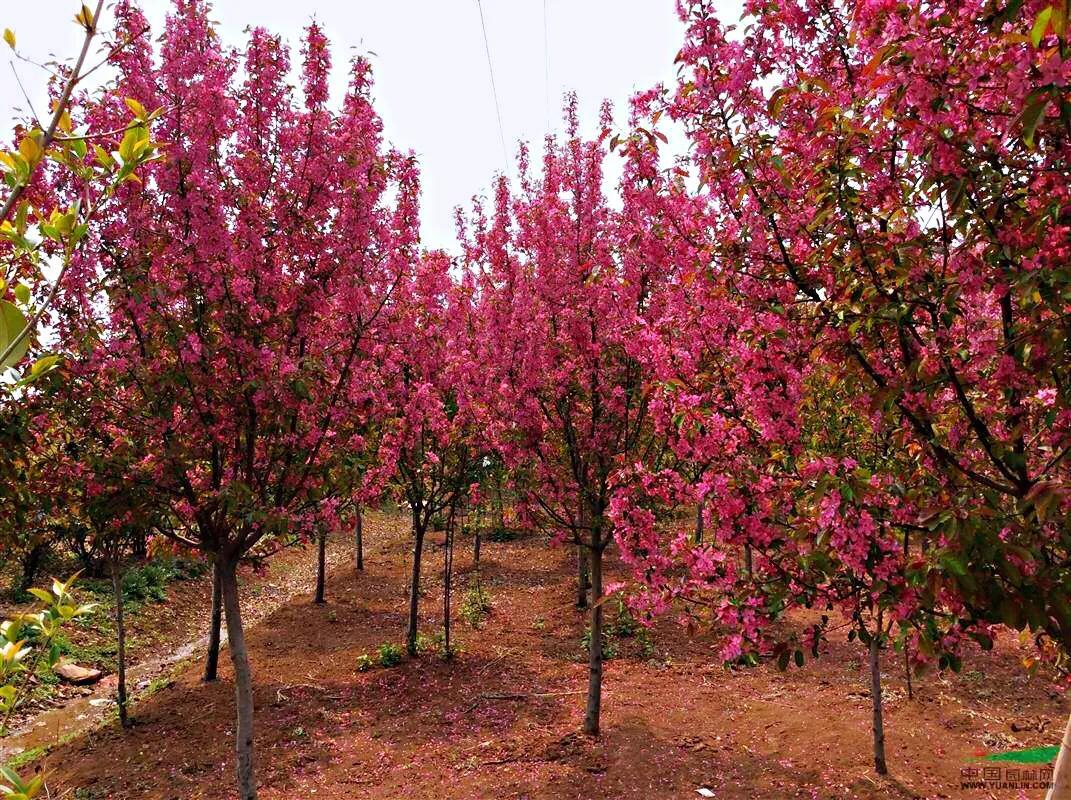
{"x":1033,"y":755}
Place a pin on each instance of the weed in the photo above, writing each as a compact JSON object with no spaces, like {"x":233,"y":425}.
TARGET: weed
{"x":475,"y":605}
{"x":386,"y":655}
{"x":430,"y":644}
{"x":617,"y":626}
{"x":610,"y":646}
{"x":389,"y":655}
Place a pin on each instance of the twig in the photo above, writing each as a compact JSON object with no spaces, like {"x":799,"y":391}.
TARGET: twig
{"x":26,"y":96}
{"x":494,"y":762}
{"x":62,"y":104}
{"x":490,"y":664}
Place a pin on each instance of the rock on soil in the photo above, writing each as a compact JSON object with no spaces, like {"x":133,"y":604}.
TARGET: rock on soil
{"x":79,"y":676}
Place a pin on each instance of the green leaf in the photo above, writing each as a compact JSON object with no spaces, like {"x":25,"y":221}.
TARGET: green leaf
{"x":954,"y":565}
{"x":1031,"y":116}
{"x":41,"y":595}
{"x":43,"y":365}
{"x":11,"y":776}
{"x":12,"y":324}
{"x":1041,"y":24}
{"x":136,"y":107}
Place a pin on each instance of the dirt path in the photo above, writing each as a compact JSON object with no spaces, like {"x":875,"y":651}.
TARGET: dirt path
{"x":291,"y":574}
{"x":500,"y":720}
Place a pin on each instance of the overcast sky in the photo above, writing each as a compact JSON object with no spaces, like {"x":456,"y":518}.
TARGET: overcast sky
{"x":433,"y":87}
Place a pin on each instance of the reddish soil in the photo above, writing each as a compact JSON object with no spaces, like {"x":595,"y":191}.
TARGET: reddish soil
{"x":155,"y":630}
{"x":501,"y":719}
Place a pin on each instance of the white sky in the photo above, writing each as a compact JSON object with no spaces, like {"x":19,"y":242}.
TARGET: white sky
{"x":433,"y":89}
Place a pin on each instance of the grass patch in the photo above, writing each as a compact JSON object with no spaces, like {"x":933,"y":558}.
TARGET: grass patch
{"x":26,"y":757}
{"x":148,"y":582}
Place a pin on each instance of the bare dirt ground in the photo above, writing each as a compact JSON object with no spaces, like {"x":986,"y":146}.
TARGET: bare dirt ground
{"x":501,"y":719}
{"x":159,"y":635}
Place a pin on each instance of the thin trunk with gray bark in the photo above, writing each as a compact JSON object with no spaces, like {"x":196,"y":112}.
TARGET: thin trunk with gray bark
{"x":878,"y":724}
{"x":120,"y":631}
{"x":243,"y":682}
{"x":1061,"y":775}
{"x":583,"y":576}
{"x":321,"y":567}
{"x":448,"y":571}
{"x":215,"y":622}
{"x":358,"y":535}
{"x":591,"y":716}
{"x":414,"y":584}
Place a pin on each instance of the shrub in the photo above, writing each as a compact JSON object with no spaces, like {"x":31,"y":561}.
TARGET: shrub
{"x":497,"y":534}
{"x":386,"y":655}
{"x":389,"y":655}
{"x":475,"y":605}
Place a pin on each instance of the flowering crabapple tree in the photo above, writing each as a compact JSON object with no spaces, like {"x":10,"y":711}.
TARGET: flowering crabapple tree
{"x":566,"y":285}
{"x":229,"y":298}
{"x":428,"y":447}
{"x":899,"y":172}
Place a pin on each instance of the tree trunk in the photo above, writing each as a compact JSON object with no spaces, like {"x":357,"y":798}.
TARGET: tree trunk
{"x":120,"y":631}
{"x":875,"y":696}
{"x":583,"y":579}
{"x":31,"y":563}
{"x":214,"y":624}
{"x":591,"y":717}
{"x":358,"y":533}
{"x":907,"y":672}
{"x":448,"y":569}
{"x":1061,"y":775}
{"x":243,"y":682}
{"x":85,"y":558}
{"x":414,"y":585}
{"x":699,"y":523}
{"x":476,"y":548}
{"x":321,"y":567}
{"x":500,"y":506}
{"x":140,"y":549}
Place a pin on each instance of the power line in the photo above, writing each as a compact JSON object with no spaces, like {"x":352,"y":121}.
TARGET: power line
{"x":546,"y":65}
{"x":494,"y":88}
